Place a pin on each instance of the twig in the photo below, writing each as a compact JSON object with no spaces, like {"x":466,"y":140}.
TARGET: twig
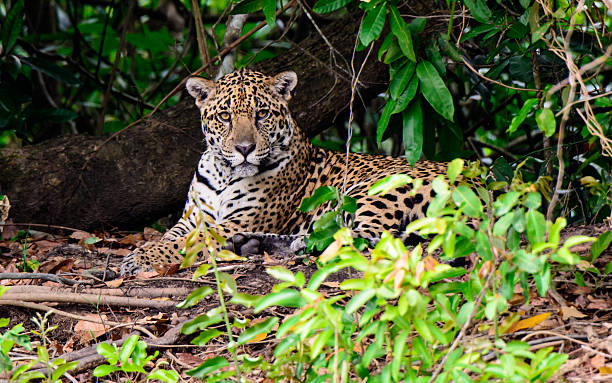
{"x":43,"y":276}
{"x":354,"y":82}
{"x":233,"y":28}
{"x":570,"y":98}
{"x":495,"y":81}
{"x":588,"y":346}
{"x":39,"y":225}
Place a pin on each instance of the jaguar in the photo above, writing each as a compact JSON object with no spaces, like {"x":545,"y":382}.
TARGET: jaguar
{"x":258,"y":166}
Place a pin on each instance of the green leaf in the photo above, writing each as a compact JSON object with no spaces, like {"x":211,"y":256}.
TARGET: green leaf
{"x":454,"y":169}
{"x":520,"y":117}
{"x":536,"y":226}
{"x":200,"y":323}
{"x":359,"y":300}
{"x":205,"y":336}
{"x":104,"y":370}
{"x":109,"y":352}
{"x":326,"y":6}
{"x":434,"y":90}
{"x":286,"y":344}
{"x":545,"y":119}
{"x":399,"y":345}
{"x":479,"y":9}
{"x":542,"y":280}
{"x":373,"y":24}
{"x":402,"y":32}
{"x":169,"y":376}
{"x":349,"y":204}
{"x":281,"y":273}
{"x":208,"y":367}
{"x":59,"y":372}
{"x":383,"y":121}
{"x":400,"y":79}
{"x":608,"y":268}
{"x":248,"y":6}
{"x":51,"y":69}
{"x":259,"y":328}
{"x":196,"y":296}
{"x":286,"y":298}
{"x":91,"y":240}
{"x":413,"y":131}
{"x":464,"y":196}
{"x":319,"y":342}
{"x":320,"y":196}
{"x":390,"y":182}
{"x":600,"y":245}
{"x":127,"y":348}
{"x":269,"y":11}
{"x":11,"y":26}
{"x":407,"y":96}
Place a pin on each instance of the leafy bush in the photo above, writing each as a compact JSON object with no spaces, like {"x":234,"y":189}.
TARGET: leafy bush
{"x":131,"y":359}
{"x":404,"y":316}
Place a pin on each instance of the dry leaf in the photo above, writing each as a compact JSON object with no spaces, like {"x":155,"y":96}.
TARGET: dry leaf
{"x":598,"y":361}
{"x":166,"y":270}
{"x":331,"y":284}
{"x":44,"y":246}
{"x":114,"y":283}
{"x":146,"y":275}
{"x":579,"y":290}
{"x":131,"y":239}
{"x":80,"y":235}
{"x":570,"y":312}
{"x":599,"y":304}
{"x":120,"y":252}
{"x":189,"y":359}
{"x":605,"y":370}
{"x":151,"y":234}
{"x":55,"y":264}
{"x":528,"y":322}
{"x":259,"y":337}
{"x":85,"y":329}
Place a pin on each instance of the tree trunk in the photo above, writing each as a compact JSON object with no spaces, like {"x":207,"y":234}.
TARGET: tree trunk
{"x":143,"y":172}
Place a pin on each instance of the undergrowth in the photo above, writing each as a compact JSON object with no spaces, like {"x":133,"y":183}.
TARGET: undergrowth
{"x":404,"y":315}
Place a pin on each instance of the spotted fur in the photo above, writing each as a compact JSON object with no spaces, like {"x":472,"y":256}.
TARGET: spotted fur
{"x":258,"y":166}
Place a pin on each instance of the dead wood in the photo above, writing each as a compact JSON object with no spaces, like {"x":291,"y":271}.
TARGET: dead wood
{"x":91,"y":299}
{"x":148,"y":292}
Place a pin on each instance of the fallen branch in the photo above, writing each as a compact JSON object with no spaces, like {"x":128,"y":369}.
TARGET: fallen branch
{"x":91,"y":299}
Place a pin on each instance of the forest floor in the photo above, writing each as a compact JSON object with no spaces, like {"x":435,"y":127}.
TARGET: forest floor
{"x":91,"y":303}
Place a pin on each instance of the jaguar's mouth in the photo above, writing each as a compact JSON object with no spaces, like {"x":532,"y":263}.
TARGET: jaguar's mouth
{"x":246,"y":169}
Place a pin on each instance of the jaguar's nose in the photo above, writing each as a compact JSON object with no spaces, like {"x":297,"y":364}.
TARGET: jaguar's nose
{"x":245,"y":149}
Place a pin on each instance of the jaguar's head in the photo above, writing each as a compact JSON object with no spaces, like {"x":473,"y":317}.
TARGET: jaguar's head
{"x":245,"y":118}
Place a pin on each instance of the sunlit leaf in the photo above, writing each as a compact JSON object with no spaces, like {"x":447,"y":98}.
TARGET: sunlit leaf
{"x":373,"y":24}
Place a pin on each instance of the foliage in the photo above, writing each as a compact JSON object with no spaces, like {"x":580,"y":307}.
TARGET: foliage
{"x":60,"y":60}
{"x":131,"y":359}
{"x":24,"y":372}
{"x":404,"y":318}
{"x":467,"y":78}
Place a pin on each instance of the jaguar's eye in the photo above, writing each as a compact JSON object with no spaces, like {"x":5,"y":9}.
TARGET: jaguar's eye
{"x":262,"y":114}
{"x":224,"y":116}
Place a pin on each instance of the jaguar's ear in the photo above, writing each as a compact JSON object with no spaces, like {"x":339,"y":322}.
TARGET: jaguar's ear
{"x":200,"y":88}
{"x":283,"y":83}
